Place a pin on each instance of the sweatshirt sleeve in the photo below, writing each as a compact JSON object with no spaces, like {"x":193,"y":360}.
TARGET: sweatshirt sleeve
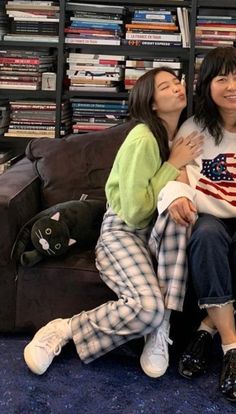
{"x":141,"y":179}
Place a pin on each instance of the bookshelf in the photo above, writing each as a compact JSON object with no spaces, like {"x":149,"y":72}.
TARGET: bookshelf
{"x":62,"y":49}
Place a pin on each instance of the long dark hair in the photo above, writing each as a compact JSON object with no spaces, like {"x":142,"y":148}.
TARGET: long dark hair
{"x":219,"y":61}
{"x":141,"y":101}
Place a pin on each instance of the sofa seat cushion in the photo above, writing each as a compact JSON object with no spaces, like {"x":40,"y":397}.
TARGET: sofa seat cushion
{"x":58,"y":288}
{"x":76,"y":165}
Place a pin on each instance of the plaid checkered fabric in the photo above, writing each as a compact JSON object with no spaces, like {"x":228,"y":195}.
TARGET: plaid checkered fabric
{"x":125,"y":265}
{"x":168,"y":244}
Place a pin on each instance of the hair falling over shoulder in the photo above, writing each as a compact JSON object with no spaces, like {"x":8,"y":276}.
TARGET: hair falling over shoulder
{"x":141,"y":108}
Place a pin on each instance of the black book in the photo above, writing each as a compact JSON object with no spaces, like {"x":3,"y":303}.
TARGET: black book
{"x":217,"y":12}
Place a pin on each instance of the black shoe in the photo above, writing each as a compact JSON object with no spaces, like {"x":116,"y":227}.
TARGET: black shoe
{"x":228,"y":375}
{"x":196,"y":357}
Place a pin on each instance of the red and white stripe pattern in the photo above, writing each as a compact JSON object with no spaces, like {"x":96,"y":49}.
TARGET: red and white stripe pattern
{"x":219,"y":179}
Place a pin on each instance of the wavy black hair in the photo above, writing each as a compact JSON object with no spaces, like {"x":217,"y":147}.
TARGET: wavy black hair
{"x":219,"y":61}
{"x":141,"y":101}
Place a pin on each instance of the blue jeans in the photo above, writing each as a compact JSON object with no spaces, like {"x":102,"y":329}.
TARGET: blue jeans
{"x":212,"y":260}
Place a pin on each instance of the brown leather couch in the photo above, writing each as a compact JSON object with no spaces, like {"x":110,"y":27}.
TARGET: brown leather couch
{"x":53,"y":171}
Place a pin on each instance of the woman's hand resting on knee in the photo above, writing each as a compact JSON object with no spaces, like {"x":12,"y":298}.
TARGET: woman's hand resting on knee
{"x":182,"y":211}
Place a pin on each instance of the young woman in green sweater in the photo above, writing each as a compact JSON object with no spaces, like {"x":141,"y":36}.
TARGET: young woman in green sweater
{"x":142,"y":167}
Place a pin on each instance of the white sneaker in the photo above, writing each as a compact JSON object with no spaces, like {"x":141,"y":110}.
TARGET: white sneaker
{"x":155,"y":356}
{"x":46,"y":344}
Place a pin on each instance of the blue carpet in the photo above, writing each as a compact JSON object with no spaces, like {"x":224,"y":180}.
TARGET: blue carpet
{"x":114,"y":384}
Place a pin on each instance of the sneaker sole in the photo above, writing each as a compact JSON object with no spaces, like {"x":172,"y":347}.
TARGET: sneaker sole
{"x":151,"y":373}
{"x":29,"y":362}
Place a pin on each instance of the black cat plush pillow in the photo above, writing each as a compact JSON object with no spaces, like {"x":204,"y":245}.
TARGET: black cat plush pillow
{"x":51,"y":232}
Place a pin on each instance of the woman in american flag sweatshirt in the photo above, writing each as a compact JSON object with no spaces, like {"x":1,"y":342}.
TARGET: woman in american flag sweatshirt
{"x":209,"y":204}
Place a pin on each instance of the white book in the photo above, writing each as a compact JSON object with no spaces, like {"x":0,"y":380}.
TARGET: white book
{"x":82,"y":78}
{"x":34,"y":19}
{"x":22,"y":87}
{"x":145,"y":36}
{"x":18,"y":13}
{"x":97,"y":69}
{"x":31,"y":6}
{"x":85,"y":56}
{"x":32,"y":2}
{"x":173,"y":65}
{"x":31,"y":38}
{"x":92,"y":41}
{"x":186,"y":26}
{"x":181,"y":26}
{"x":92,"y":88}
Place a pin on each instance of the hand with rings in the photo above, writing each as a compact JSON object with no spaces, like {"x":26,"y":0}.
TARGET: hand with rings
{"x":185,"y":150}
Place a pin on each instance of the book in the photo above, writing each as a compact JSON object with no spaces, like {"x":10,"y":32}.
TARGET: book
{"x":97,"y":8}
{"x":160,"y":26}
{"x":165,"y":37}
{"x":150,"y":43}
{"x":93,"y":41}
{"x":30,"y":38}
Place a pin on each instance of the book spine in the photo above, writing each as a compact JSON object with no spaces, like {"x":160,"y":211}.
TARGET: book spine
{"x":19,"y":60}
{"x":93,"y":41}
{"x":149,"y":43}
{"x":165,"y":37}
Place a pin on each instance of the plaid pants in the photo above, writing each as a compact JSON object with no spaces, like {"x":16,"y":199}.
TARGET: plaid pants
{"x":168,"y":244}
{"x":126,"y":267}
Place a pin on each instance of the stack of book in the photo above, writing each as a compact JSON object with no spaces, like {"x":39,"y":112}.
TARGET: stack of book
{"x":22,"y":69}
{"x":90,"y":72}
{"x":215,"y":27}
{"x":34,"y":119}
{"x":33,"y":20}
{"x":95,"y":24}
{"x":153,"y":26}
{"x":4,"y":116}
{"x":134,"y":68}
{"x":97,"y":114}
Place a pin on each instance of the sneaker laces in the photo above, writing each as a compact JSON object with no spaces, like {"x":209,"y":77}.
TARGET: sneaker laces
{"x":159,"y":342}
{"x":51,"y":343}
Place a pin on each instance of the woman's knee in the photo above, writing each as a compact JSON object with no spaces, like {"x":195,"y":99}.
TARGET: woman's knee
{"x":147,"y":311}
{"x":209,"y":230}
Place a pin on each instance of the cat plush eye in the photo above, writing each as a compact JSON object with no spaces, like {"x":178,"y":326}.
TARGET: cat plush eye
{"x":57,"y":246}
{"x":48,"y":231}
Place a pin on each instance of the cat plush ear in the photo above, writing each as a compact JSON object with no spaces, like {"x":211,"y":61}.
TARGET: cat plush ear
{"x":56,"y":216}
{"x":71,"y":241}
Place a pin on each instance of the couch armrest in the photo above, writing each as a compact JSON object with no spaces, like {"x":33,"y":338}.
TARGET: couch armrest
{"x":19,"y":201}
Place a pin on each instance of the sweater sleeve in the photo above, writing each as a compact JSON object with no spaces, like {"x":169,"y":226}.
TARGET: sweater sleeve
{"x":141,"y":178}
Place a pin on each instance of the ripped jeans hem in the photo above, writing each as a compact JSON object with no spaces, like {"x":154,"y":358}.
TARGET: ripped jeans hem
{"x":214,"y":305}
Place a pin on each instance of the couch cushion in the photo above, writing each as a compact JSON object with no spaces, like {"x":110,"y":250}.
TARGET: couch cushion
{"x":76,"y":165}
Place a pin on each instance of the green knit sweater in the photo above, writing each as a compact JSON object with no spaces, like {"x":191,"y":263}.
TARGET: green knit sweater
{"x":137,"y":177}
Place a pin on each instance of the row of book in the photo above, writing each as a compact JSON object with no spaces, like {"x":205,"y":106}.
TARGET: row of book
{"x":23,"y":69}
{"x":116,"y":25}
{"x":110,"y":73}
{"x":35,"y":20}
{"x":97,"y":114}
{"x":215,"y":28}
{"x":36,"y":119}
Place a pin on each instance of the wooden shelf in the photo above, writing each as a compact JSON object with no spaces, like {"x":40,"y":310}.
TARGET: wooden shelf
{"x":231,"y":4}
{"x":150,"y":3}
{"x":131,"y":51}
{"x":96,"y":95}
{"x":23,"y":94}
